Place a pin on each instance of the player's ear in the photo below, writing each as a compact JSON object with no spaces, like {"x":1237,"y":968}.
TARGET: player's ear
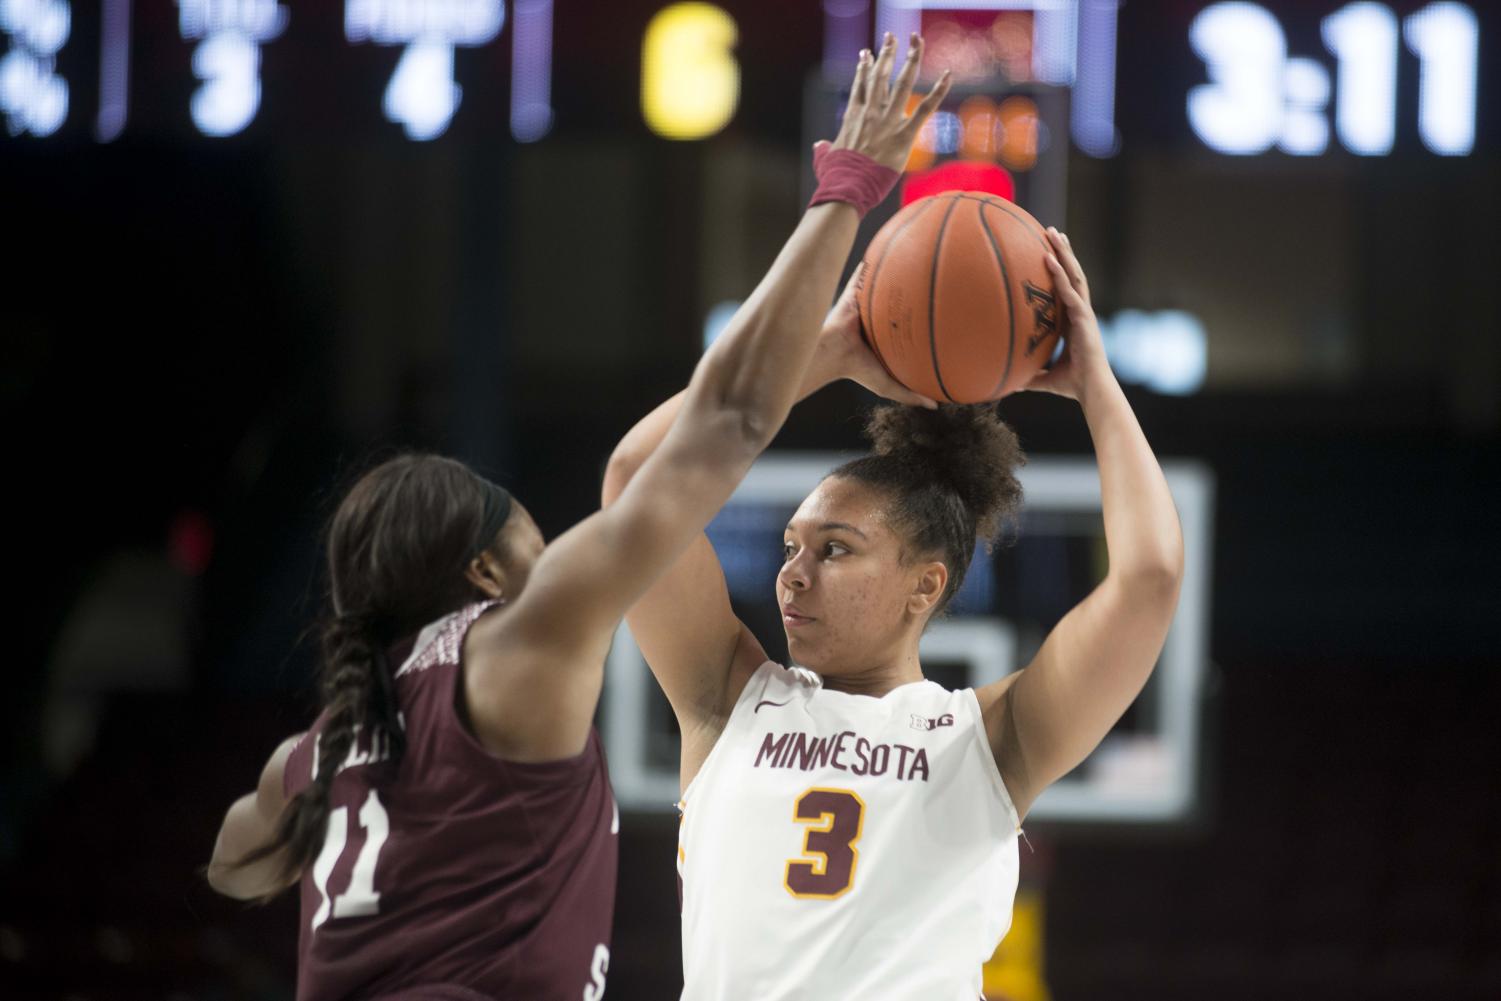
{"x":927,"y":591}
{"x":486,"y":574}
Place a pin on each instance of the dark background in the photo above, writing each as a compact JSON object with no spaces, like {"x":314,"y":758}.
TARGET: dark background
{"x":205,"y":339}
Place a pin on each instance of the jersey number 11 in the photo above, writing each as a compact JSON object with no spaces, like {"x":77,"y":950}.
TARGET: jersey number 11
{"x":361,"y":896}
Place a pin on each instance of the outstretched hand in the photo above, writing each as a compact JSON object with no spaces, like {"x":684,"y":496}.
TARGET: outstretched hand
{"x":876,"y":122}
{"x":1083,"y":360}
{"x":844,"y":353}
{"x":877,"y":125}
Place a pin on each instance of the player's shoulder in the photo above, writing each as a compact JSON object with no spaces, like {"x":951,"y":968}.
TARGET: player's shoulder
{"x":442,"y":641}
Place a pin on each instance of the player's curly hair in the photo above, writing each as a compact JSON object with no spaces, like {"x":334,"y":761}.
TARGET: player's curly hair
{"x":950,"y":475}
{"x":398,"y":545}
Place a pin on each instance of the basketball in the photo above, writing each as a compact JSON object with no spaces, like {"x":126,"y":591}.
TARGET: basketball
{"x":956,"y":298}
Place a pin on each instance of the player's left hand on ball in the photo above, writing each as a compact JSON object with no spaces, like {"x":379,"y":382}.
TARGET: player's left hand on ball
{"x":1083,"y":358}
{"x":876,"y":122}
{"x":847,"y":351}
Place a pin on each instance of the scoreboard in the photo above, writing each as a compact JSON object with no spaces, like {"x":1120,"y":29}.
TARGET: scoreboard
{"x":1300,"y":80}
{"x":1236,"y":78}
{"x":214,"y":66}
{"x":1259,"y":95}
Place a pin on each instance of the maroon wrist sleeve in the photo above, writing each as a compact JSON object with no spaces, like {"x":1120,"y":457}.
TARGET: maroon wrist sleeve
{"x":846,"y":176}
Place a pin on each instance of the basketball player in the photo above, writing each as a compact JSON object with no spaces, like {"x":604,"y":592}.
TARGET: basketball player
{"x":849,"y":828}
{"x":448,"y":814}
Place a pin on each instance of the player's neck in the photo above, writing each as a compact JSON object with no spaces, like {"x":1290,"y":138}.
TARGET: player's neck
{"x":902,"y":668}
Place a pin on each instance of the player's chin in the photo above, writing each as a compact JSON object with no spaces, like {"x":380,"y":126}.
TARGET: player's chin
{"x":804,"y":651}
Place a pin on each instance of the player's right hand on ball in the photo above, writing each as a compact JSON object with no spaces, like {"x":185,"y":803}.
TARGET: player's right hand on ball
{"x":876,"y":122}
{"x":844,"y":350}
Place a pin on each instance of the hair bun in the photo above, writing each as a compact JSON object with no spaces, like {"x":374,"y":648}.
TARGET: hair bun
{"x":966,"y":446}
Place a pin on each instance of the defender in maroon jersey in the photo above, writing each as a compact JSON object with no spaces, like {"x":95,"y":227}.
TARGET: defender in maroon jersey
{"x":447,"y":814}
{"x":435,"y":859}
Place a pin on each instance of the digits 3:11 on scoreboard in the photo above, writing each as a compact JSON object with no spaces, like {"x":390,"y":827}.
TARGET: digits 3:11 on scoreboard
{"x":1259,"y":97}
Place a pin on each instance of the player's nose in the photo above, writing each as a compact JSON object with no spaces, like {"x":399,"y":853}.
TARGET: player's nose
{"x":793,"y":575}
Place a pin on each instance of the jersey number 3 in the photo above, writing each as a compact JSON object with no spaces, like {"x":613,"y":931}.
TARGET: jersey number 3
{"x":835,"y":819}
{"x":361,"y":896}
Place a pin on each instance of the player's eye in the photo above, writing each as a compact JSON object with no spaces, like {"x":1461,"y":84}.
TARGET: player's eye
{"x":788,"y":549}
{"x":835,"y":549}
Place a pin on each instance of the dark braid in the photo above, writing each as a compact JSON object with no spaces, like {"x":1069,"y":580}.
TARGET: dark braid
{"x":357,"y":686}
{"x":397,"y":550}
{"x":950,"y":476}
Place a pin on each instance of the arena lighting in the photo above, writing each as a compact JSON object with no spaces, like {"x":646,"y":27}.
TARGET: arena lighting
{"x":228,"y":59}
{"x":190,"y":542}
{"x":1363,"y":38}
{"x":229,"y":64}
{"x":1092,"y":115}
{"x":959,"y":175}
{"x":421,"y":95}
{"x":1446,"y":37}
{"x":1073,"y":45}
{"x":531,"y":70}
{"x":1167,"y":351}
{"x":1010,"y":132}
{"x":846,"y":30}
{"x":114,"y":70}
{"x":1239,"y":111}
{"x":1257,"y":97}
{"x":690,"y":81}
{"x":33,"y":96}
{"x":719,"y":318}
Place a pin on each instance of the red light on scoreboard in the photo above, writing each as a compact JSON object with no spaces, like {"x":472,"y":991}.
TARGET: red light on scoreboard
{"x":959,"y":175}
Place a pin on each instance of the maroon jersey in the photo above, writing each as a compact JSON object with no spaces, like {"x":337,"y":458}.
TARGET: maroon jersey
{"x":461,"y":875}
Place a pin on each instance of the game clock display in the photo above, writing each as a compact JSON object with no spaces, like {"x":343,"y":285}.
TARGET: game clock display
{"x":1304,"y":81}
{"x":1259,"y":95}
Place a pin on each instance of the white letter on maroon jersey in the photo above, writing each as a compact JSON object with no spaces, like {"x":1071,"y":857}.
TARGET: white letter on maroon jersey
{"x":595,"y":989}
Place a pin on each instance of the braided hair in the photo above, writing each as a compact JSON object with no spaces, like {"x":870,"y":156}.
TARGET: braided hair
{"x":949,"y":475}
{"x":398,"y":546}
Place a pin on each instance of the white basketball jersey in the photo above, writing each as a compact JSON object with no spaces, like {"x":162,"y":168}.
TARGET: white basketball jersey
{"x":840,"y":846}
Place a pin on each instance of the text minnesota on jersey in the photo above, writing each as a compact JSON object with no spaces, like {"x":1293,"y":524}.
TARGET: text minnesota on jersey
{"x":848,"y":752}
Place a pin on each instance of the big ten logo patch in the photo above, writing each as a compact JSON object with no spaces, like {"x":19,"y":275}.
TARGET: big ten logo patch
{"x":930,"y":723}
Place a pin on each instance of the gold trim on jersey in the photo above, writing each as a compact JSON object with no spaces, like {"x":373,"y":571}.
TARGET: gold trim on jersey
{"x":819,"y":866}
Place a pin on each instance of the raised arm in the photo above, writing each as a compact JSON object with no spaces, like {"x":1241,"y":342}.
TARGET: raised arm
{"x":1045,"y":719}
{"x":534,"y":673}
{"x":699,"y":651}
